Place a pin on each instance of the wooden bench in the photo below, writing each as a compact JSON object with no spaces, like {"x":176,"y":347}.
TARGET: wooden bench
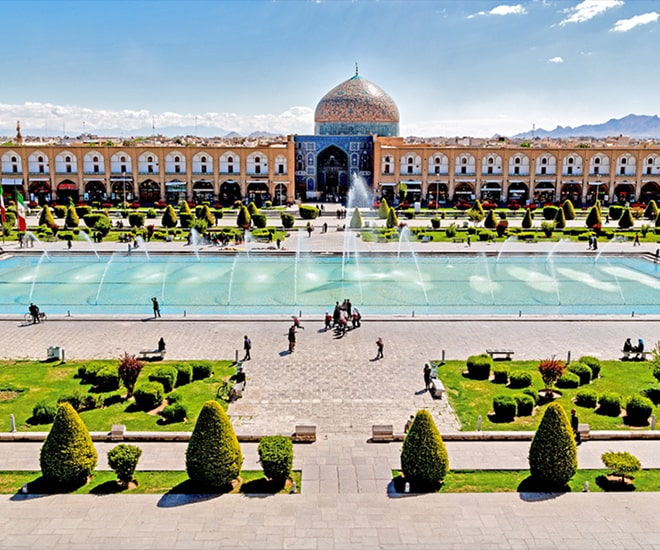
{"x":152,"y":354}
{"x":437,"y":388}
{"x":458,"y":240}
{"x":634,"y":355}
{"x":382,"y":432}
{"x":304,"y":434}
{"x":503,"y":353}
{"x":583,"y":432}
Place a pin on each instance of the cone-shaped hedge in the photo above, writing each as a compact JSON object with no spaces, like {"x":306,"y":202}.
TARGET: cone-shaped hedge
{"x":527,"y":220}
{"x":626,"y":220}
{"x":213,"y":457}
{"x":560,"y":219}
{"x":72,"y":219}
{"x":356,"y":219}
{"x":68,"y":456}
{"x":424,"y":460}
{"x":169,"y":217}
{"x":46,"y":217}
{"x":491,"y":220}
{"x":593,"y":217}
{"x":243,"y":219}
{"x":553,"y":453}
{"x":383,"y":209}
{"x":392,"y":218}
{"x":569,"y":210}
{"x":651,"y":211}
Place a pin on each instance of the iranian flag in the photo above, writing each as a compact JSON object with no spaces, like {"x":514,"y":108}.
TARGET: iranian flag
{"x":2,"y":206}
{"x":20,"y":205}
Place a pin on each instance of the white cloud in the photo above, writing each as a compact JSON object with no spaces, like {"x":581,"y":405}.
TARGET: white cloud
{"x":502,"y":9}
{"x":588,"y":9}
{"x":556,"y":59}
{"x":37,"y":117}
{"x":624,"y":25}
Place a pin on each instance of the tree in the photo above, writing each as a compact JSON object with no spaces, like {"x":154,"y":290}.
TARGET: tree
{"x":491,"y":220}
{"x":623,"y":464}
{"x":276,"y":457}
{"x":560,"y":219}
{"x":569,"y":211}
{"x":551,"y":370}
{"x":123,"y":460}
{"x":527,"y":220}
{"x":651,"y":211}
{"x":553,"y":452}
{"x":593,"y":217}
{"x":403,"y":191}
{"x":383,"y":209}
{"x":129,"y":372}
{"x":392,"y":218}
{"x":46,"y":217}
{"x":169,"y":219}
{"x":243,"y":219}
{"x":424,"y":460}
{"x":213,"y":456}
{"x":184,"y":207}
{"x":626,"y":220}
{"x":657,"y":220}
{"x":356,"y":219}
{"x":72,"y":219}
{"x":68,"y":456}
{"x":252,"y":209}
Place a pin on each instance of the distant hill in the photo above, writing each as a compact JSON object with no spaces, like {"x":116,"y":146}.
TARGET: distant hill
{"x":634,"y":126}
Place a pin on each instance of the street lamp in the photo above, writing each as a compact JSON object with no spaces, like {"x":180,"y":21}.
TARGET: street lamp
{"x":123,"y":180}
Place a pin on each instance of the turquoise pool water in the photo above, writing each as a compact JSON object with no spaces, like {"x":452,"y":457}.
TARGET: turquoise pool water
{"x":377,"y":284}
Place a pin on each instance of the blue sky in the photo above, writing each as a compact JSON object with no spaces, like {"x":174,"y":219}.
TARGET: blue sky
{"x":453,"y":67}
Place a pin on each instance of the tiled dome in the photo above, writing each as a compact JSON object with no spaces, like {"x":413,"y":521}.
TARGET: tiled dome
{"x":357,"y":106}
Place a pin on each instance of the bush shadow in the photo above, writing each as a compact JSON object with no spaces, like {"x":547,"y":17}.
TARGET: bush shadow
{"x":614,"y":485}
{"x":498,"y":419}
{"x":189,"y":492}
{"x":530,"y":490}
{"x":39,"y":488}
{"x":261,"y":487}
{"x":397,"y":488}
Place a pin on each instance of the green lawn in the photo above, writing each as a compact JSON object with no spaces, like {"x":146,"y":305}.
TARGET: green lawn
{"x":471,"y":398}
{"x":25,"y":383}
{"x":149,"y":482}
{"x":509,"y":481}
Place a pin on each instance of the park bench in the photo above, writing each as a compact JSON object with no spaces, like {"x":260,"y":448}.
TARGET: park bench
{"x":304,"y":434}
{"x":382,"y":432}
{"x":437,"y":388}
{"x":151,"y":354}
{"x":583,"y":432}
{"x":236,"y":391}
{"x":634,"y":355}
{"x":458,"y":240}
{"x":502,"y":353}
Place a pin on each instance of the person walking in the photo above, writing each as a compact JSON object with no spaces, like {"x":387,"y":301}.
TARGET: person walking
{"x":379,"y":347}
{"x":427,"y":376}
{"x":292,"y":338}
{"x":156,"y":305}
{"x":636,"y":241}
{"x":247,"y":346}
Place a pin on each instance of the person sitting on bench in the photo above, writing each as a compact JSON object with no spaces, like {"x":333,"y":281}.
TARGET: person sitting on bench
{"x":161,"y":345}
{"x":627,"y":346}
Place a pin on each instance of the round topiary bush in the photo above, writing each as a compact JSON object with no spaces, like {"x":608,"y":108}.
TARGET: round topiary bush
{"x":287,"y":220}
{"x":524,"y":404}
{"x":520,"y":379}
{"x":568,"y":380}
{"x":201,"y":370}
{"x":68,"y":456}
{"x":184,"y":374}
{"x":43,"y":413}
{"x":175,"y":412}
{"x":586,"y":398}
{"x":500,"y":373}
{"x":166,"y":376}
{"x":107,"y":379}
{"x":123,"y":460}
{"x":504,"y":407}
{"x":609,"y":404}
{"x":148,"y":395}
{"x":424,"y":459}
{"x":308,"y":212}
{"x":276,"y":457}
{"x":478,"y":366}
{"x":638,"y":410}
{"x":213,"y":456}
{"x":583,"y":372}
{"x":593,"y":363}
{"x":553,"y":452}
{"x":532,"y":393}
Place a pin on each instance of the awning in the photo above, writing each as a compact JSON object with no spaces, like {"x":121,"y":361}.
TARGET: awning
{"x":516,"y":181}
{"x":572,"y":182}
{"x":260,"y":182}
{"x":465,"y":181}
{"x":39,"y":179}
{"x":387,"y":184}
{"x":544,"y":186}
{"x":545,"y":181}
{"x":121,"y":179}
{"x":67,"y":187}
{"x":12,"y":181}
{"x":491,"y":187}
{"x":230,"y":181}
{"x":100,"y":180}
{"x":597,"y":183}
{"x":175,"y":183}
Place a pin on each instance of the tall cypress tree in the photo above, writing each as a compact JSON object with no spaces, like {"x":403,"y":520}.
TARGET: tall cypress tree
{"x":527,"y":220}
{"x":424,"y":459}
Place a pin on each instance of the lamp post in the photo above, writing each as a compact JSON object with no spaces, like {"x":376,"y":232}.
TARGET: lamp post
{"x":123,"y":180}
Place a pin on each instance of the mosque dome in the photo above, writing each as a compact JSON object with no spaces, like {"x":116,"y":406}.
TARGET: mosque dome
{"x":357,"y":107}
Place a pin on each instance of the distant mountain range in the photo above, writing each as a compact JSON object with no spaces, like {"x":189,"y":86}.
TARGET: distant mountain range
{"x":634,"y":126}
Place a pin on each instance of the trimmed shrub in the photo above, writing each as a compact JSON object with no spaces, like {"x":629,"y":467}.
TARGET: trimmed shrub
{"x":623,"y":464}
{"x":243,"y":218}
{"x":287,"y":220}
{"x":583,"y":372}
{"x":46,"y":217}
{"x":478,"y":366}
{"x":213,"y":456}
{"x":451,"y":231}
{"x":87,"y":372}
{"x":169,"y":218}
{"x":626,"y":220}
{"x":527,"y":220}
{"x":569,"y":210}
{"x":201,"y":370}
{"x":553,"y":452}
{"x":551,"y":370}
{"x":276,"y":457}
{"x":424,"y":460}
{"x":500,"y":373}
{"x":68,"y":456}
{"x":615,"y":212}
{"x":435,"y":223}
{"x":184,"y":374}
{"x":175,"y":412}
{"x":43,"y":413}
{"x":532,"y":393}
{"x":185,"y":219}
{"x":76,"y":399}
{"x":568,"y":380}
{"x":60,"y":211}
{"x":166,"y":376}
{"x":593,"y":363}
{"x":136,"y":219}
{"x":72,"y":219}
{"x":260,"y":220}
{"x":491,"y":220}
{"x":203,"y":212}
{"x":356,"y":219}
{"x":638,"y":410}
{"x":107,"y":379}
{"x":383,"y":209}
{"x":123,"y":460}
{"x":609,"y":404}
{"x":392,"y":219}
{"x":148,"y":395}
{"x":594,"y":218}
{"x":586,"y":398}
{"x":550,"y":212}
{"x":504,"y":407}
{"x":308,"y":212}
{"x":651,"y":211}
{"x":524,"y":404}
{"x":560,"y":219}
{"x":520,"y":379}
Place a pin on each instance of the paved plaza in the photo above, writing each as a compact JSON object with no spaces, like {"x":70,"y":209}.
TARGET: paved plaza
{"x":335,"y":384}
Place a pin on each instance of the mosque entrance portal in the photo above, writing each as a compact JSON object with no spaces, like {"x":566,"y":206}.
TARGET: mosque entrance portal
{"x":333,"y":180}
